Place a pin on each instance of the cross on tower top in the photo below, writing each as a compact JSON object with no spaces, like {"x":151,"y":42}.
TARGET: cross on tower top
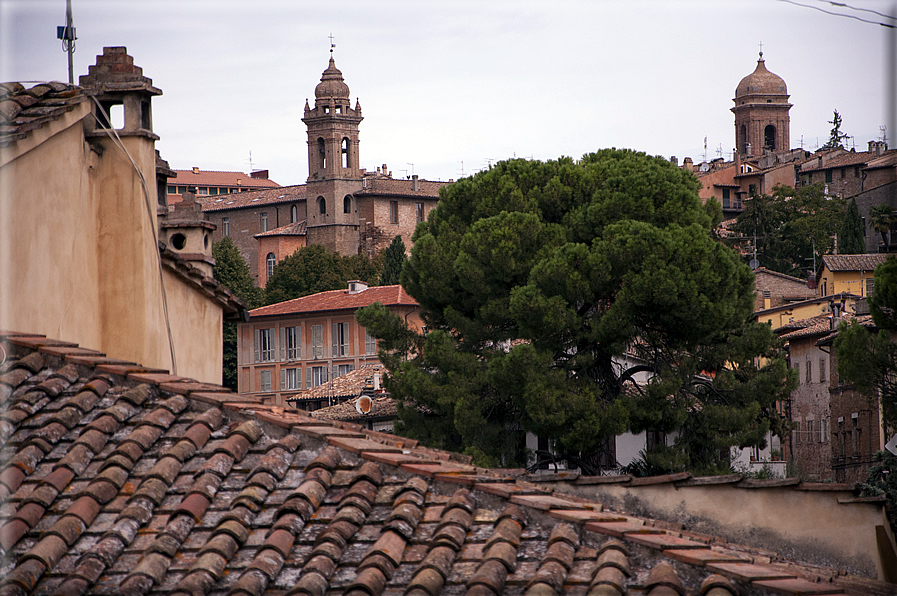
{"x":332,"y":45}
{"x":761,"y":50}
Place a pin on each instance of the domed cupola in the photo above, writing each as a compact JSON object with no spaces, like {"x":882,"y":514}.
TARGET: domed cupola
{"x":761,"y":81}
{"x":332,"y":85}
{"x":762,"y":123}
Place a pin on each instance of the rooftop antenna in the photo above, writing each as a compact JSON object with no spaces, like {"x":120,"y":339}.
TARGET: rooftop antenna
{"x":462,"y":168}
{"x":705,"y":149}
{"x":250,"y":161}
{"x":412,"y":167}
{"x":884,"y":133}
{"x":67,"y":35}
{"x":719,"y":150}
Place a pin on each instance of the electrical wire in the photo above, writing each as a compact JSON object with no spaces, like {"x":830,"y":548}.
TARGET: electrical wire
{"x":848,"y":6}
{"x":148,"y":204}
{"x":839,"y":14}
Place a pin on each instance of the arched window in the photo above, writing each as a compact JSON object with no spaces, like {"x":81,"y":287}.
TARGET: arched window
{"x":322,"y":205}
{"x":743,"y":144}
{"x":769,"y":137}
{"x":270,"y":261}
{"x":322,"y":155}
{"x":347,"y":204}
{"x":294,"y":214}
{"x":344,"y":150}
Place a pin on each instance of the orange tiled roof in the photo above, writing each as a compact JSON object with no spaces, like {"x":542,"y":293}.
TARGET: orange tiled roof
{"x":402,"y":188}
{"x":350,"y":384}
{"x":843,"y":160}
{"x":212,"y":178}
{"x":382,"y":406}
{"x":293,"y":229}
{"x":338,"y":300}
{"x":127,"y":480}
{"x":853,"y":262}
{"x":253,"y":198}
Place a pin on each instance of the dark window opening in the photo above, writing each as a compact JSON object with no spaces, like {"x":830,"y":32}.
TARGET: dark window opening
{"x":769,"y":137}
{"x":322,"y":205}
{"x":112,"y":114}
{"x":347,"y":204}
{"x":393,"y":212}
{"x":145,"y":122}
{"x":179,"y":241}
{"x":322,"y":155}
{"x":294,"y":214}
{"x":344,"y":152}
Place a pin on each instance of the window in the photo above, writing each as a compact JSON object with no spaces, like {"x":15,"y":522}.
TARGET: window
{"x":317,"y":341}
{"x":393,"y":212}
{"x":340,"y":337}
{"x":797,"y":432}
{"x":172,"y":189}
{"x":822,"y":434}
{"x":294,"y":214}
{"x":809,"y":371}
{"x":322,"y":155}
{"x":370,"y":344}
{"x":315,"y":375}
{"x":344,"y":152}
{"x":225,"y":226}
{"x":752,"y":190}
{"x":270,"y":261}
{"x":290,"y":378}
{"x":290,"y":343}
{"x":855,"y":434}
{"x":182,"y":190}
{"x":797,"y":370}
{"x":202,"y":191}
{"x":726,"y":198}
{"x":345,"y":369}
{"x":322,"y":206}
{"x":420,"y":212}
{"x":264,"y":345}
{"x":822,"y":370}
{"x":265,"y":380}
{"x":264,"y":221}
{"x":870,"y":287}
{"x":809,"y":431}
{"x":347,"y":204}
{"x":769,"y":137}
{"x":828,"y":176}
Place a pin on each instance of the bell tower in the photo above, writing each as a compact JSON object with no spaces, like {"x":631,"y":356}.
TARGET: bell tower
{"x":334,"y":175}
{"x":761,"y":110}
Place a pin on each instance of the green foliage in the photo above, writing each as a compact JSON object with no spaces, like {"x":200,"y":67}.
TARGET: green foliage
{"x":882,"y":480}
{"x":883,"y":304}
{"x":536,"y":278}
{"x":880,"y":218}
{"x":393,"y":260}
{"x":315,"y":269}
{"x":231,"y":270}
{"x":850,"y":238}
{"x":787,"y":224}
{"x":836,"y":137}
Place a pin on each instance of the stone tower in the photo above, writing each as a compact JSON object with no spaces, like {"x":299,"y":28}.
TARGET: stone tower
{"x":333,"y":171}
{"x":761,"y":113}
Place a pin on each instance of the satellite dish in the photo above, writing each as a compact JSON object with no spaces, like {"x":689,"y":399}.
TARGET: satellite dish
{"x":704,"y":167}
{"x":754,"y":263}
{"x":811,"y":282}
{"x":364,"y":404}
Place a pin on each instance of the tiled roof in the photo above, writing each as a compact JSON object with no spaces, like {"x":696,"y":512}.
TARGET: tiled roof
{"x":204,"y":284}
{"x":382,"y":407}
{"x":821,"y":325}
{"x":338,"y":300}
{"x":348,"y":385}
{"x":211,"y":178}
{"x":888,"y":160}
{"x":401,"y":188}
{"x":784,"y":276}
{"x":254,"y":198}
{"x":843,"y":160}
{"x":293,"y":229}
{"x":23,"y":110}
{"x":122,"y":480}
{"x":853,"y":262}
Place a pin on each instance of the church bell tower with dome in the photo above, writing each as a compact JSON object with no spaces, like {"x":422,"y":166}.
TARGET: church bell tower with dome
{"x":761,"y":110}
{"x":334,"y":175}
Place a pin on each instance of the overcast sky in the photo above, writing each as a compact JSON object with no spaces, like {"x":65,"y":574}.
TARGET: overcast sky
{"x":443,"y":84}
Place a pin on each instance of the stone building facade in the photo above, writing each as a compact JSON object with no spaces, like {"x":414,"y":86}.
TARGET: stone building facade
{"x":762,"y":123}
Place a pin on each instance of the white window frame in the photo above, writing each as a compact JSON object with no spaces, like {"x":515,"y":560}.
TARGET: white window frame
{"x":290,"y":378}
{"x":290,"y":343}
{"x":265,"y":380}
{"x":339,"y":335}
{"x":370,"y":344}
{"x":265,"y":348}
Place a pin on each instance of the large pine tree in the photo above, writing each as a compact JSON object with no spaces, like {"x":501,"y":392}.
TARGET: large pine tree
{"x":393,"y":260}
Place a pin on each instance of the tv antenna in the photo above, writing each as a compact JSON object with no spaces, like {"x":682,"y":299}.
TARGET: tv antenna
{"x":412,"y":167}
{"x":67,"y":35}
{"x":462,"y":168}
{"x":705,"y":149}
{"x":884,"y":133}
{"x":250,"y":161}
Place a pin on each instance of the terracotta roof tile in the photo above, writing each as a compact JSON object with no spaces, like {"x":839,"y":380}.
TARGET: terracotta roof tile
{"x":254,"y":198}
{"x":338,"y":300}
{"x":866,"y":262}
{"x":206,"y":500}
{"x":213,"y":178}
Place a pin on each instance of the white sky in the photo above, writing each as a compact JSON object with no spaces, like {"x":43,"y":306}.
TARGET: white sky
{"x":441,"y":83}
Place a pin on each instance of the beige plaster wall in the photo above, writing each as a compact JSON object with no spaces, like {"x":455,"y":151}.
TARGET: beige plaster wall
{"x":808,"y":525}
{"x":198,"y":355}
{"x":48,"y":234}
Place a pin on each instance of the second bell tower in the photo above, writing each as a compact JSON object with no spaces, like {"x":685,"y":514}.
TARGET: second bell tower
{"x":334,"y":175}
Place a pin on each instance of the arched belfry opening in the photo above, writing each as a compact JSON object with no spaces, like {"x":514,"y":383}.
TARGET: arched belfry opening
{"x":769,"y":137}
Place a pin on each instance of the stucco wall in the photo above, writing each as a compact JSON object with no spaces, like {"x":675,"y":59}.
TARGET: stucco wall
{"x":198,"y":354}
{"x":841,"y":535}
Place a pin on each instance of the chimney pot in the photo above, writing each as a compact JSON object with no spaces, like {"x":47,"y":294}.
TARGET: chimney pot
{"x":195,"y":170}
